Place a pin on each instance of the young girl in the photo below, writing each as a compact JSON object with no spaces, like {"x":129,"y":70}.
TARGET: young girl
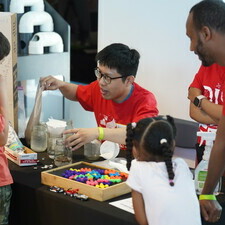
{"x":163,"y":191}
{"x":5,"y":176}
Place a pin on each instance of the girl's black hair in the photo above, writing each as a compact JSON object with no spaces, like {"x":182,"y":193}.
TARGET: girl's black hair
{"x":155,"y":135}
{"x":4,"y":46}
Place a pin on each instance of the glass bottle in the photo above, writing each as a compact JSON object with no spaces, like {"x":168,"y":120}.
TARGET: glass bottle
{"x":63,"y":156}
{"x":39,"y":138}
{"x":92,"y":150}
{"x":51,"y":147}
{"x":69,"y":125}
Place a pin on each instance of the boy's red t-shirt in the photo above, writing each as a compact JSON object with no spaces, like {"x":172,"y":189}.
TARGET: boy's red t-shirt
{"x":140,"y":104}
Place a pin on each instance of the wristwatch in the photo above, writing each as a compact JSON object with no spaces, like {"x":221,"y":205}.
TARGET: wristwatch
{"x":197,"y":100}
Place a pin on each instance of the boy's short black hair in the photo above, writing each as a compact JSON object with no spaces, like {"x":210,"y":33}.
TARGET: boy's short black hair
{"x":120,"y":57}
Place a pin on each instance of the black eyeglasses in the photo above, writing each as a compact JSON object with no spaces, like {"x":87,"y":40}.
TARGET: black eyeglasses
{"x":107,"y":79}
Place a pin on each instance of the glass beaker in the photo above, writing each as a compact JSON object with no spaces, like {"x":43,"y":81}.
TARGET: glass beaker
{"x":39,"y":137}
{"x":92,"y":150}
{"x":63,"y":155}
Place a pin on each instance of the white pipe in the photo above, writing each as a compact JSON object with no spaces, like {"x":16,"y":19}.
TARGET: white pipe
{"x":31,"y":19}
{"x":45,"y":39}
{"x":17,"y":6}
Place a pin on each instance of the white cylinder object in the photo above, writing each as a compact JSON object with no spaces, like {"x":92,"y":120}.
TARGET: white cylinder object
{"x":17,"y":6}
{"x":31,"y":19}
{"x":45,"y":39}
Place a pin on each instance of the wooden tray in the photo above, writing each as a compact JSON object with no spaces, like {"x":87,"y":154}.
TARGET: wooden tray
{"x":53,"y":178}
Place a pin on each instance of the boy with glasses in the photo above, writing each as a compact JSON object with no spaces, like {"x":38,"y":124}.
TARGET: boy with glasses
{"x":114,"y":98}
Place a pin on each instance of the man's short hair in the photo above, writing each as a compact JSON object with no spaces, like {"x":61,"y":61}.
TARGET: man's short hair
{"x":120,"y":57}
{"x":4,"y":46}
{"x":210,"y":13}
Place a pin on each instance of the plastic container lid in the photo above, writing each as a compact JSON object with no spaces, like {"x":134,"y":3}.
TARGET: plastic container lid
{"x":109,"y":150}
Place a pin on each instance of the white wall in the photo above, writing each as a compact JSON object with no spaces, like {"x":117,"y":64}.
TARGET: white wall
{"x":81,"y":118}
{"x":156,"y":28}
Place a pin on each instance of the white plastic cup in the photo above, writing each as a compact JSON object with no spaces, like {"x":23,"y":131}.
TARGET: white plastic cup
{"x":109,"y":150}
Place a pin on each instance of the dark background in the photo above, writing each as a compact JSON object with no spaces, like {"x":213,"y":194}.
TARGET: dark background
{"x":82,"y":16}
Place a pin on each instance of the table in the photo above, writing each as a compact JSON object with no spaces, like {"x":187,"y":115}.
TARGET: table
{"x":33,"y":204}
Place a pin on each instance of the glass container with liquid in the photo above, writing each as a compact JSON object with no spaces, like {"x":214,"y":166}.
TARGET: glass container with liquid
{"x":63,"y":156}
{"x":92,"y":150}
{"x":39,"y":138}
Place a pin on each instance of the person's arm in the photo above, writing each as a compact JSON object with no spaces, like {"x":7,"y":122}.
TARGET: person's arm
{"x":67,"y":89}
{"x":196,"y":113}
{"x":200,"y":116}
{"x":212,"y":109}
{"x":209,"y":113}
{"x":139,"y":208}
{"x":3,"y":110}
{"x":81,"y":136}
{"x":211,"y":209}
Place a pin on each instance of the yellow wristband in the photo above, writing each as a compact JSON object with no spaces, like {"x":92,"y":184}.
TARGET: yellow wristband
{"x":101,"y":133}
{"x":207,"y":197}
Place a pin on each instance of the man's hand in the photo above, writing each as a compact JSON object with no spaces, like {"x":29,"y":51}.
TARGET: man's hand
{"x":80,"y":136}
{"x":51,"y":83}
{"x":211,"y":210}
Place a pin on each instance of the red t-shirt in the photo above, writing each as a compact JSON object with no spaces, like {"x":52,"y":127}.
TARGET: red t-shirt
{"x":140,"y":104}
{"x":224,"y":101}
{"x":210,"y":80}
{"x":5,"y":176}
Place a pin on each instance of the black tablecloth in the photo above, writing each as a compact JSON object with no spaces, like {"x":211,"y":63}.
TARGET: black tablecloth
{"x":33,"y":204}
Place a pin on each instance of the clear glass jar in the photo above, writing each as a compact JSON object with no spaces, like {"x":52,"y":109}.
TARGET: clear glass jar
{"x":51,"y":147}
{"x":39,"y":138}
{"x":69,"y":125}
{"x":92,"y":150}
{"x":63,"y":155}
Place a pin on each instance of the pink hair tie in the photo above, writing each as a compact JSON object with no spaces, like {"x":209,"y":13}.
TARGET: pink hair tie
{"x":171,"y":182}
